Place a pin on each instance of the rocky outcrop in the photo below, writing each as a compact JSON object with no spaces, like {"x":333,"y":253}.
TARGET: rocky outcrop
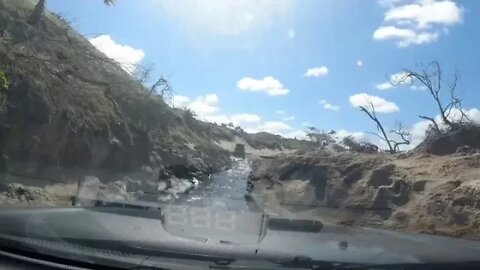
{"x":409,"y":192}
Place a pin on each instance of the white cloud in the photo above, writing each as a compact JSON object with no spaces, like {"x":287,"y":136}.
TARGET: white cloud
{"x":328,"y":106}
{"x":280,"y":112}
{"x":205,"y":105}
{"x":331,"y":107}
{"x":417,"y":22}
{"x":418,"y":132}
{"x":216,"y":118}
{"x":126,"y":56}
{"x":292,"y":33}
{"x":316,"y":71}
{"x":269,"y":85}
{"x":381,"y":105}
{"x":227,"y":17}
{"x":456,"y":115}
{"x":395,"y":79}
{"x":404,"y":37}
{"x":360,"y":63}
{"x":179,"y":101}
{"x":298,"y":134}
{"x":245,"y":118}
{"x":236,"y":119}
{"x":274,"y":127}
{"x":384,"y":86}
{"x":288,"y":118}
{"x":427,"y":13}
{"x":207,"y":108}
{"x":306,"y":124}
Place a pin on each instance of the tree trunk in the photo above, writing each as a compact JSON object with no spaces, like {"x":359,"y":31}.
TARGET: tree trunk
{"x":37,"y":14}
{"x":379,"y":126}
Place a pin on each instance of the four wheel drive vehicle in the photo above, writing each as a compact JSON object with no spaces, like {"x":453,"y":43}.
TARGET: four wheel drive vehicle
{"x":154,"y":236}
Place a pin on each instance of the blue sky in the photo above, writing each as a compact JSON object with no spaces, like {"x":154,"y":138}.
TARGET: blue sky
{"x":276,"y":65}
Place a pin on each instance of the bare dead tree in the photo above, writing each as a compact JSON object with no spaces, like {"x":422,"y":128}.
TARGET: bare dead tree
{"x":403,"y":133}
{"x":160,"y":86}
{"x":431,"y":76}
{"x":370,"y":111}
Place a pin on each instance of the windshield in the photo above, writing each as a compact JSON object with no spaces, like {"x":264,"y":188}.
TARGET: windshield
{"x":245,"y":123}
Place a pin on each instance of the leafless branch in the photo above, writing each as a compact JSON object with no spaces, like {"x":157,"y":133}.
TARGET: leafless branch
{"x":432,"y":78}
{"x":166,"y":89}
{"x":372,"y":115}
{"x":404,"y":134}
{"x":434,"y":123}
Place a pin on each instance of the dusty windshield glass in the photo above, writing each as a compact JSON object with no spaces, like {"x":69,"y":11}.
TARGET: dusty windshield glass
{"x":349,"y":114}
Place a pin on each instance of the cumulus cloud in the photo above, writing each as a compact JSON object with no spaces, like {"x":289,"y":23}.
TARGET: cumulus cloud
{"x":381,"y":105}
{"x":245,"y":118}
{"x":207,"y":108}
{"x":396,"y":79}
{"x":274,"y":127}
{"x":384,"y":86}
{"x":268,"y":85}
{"x":128,"y":58}
{"x":227,"y":17}
{"x":404,"y":37}
{"x":179,"y":101}
{"x":205,"y":105}
{"x":427,"y":13}
{"x":298,"y":134}
{"x":417,"y":22}
{"x":328,"y":106}
{"x":316,"y":71}
{"x":236,"y":119}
